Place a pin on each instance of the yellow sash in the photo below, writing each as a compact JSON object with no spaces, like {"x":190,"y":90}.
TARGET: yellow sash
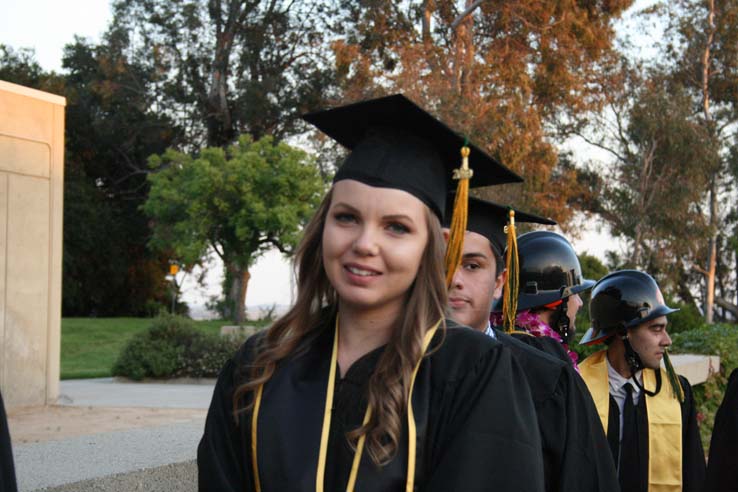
{"x":664,"y":422}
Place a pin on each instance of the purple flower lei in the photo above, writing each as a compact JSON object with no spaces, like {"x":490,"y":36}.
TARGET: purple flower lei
{"x":534,"y":325}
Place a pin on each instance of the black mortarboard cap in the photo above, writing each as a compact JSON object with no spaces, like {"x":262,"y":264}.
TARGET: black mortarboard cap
{"x":396,"y":144}
{"x":489,"y":219}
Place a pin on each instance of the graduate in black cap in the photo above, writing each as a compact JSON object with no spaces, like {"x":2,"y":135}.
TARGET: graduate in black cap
{"x":575,"y":449}
{"x":479,"y":279}
{"x":7,"y":469}
{"x":363,"y":385}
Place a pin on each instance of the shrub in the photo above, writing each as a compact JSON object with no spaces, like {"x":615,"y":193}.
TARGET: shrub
{"x":173,"y":347}
{"x":687,"y":318}
{"x":718,"y":339}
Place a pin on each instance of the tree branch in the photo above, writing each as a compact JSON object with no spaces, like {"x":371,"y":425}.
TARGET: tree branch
{"x":699,"y":269}
{"x":729,"y":306}
{"x":458,"y":20}
{"x":599,"y":145}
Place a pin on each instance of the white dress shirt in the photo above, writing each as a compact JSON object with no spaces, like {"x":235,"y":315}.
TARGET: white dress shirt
{"x":489,"y":331}
{"x":617,"y":389}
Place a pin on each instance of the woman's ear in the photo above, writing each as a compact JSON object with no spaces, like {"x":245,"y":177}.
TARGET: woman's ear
{"x":446,"y":234}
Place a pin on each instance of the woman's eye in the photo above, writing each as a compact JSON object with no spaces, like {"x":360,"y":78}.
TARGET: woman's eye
{"x":344,"y":217}
{"x":398,"y":228}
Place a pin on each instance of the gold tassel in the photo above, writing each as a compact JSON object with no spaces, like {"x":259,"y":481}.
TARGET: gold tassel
{"x":676,"y":386}
{"x":457,"y":228}
{"x":510,"y":293}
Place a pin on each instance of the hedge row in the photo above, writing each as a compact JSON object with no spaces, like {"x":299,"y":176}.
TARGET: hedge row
{"x":719,"y":339}
{"x":172,"y":347}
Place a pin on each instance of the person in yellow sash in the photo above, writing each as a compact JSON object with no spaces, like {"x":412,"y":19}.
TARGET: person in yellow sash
{"x":575,"y":451}
{"x":364,"y":385}
{"x":647,"y":412}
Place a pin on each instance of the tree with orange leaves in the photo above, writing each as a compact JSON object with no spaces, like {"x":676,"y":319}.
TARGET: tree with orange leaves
{"x":499,"y":71}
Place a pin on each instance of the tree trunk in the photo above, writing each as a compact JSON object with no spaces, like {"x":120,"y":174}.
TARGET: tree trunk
{"x":712,"y":244}
{"x":428,"y":7}
{"x":464,"y":56}
{"x":220,"y":131}
{"x":237,"y":294}
{"x":635,"y":256}
{"x":711,"y":253}
{"x":644,"y":192}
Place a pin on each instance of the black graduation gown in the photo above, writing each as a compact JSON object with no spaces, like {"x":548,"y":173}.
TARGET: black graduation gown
{"x":476,"y":424}
{"x":693,"y":456}
{"x":722,"y":465}
{"x":576,"y":455}
{"x":7,"y":470}
{"x":548,"y":345}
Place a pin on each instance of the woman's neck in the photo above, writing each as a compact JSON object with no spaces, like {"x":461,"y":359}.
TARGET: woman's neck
{"x":360,"y":332}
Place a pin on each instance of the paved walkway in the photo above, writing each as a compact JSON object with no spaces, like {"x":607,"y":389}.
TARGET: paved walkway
{"x":104,"y":459}
{"x":110,"y":392}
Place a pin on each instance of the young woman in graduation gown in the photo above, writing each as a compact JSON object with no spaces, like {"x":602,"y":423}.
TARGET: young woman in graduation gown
{"x":364,"y":385}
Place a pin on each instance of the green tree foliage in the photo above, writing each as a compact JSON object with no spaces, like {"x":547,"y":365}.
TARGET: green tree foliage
{"x":110,"y":131}
{"x":501,"y":72}
{"x":112,"y":127}
{"x":237,"y":202}
{"x":20,"y":67}
{"x":717,"y":339}
{"x":672,"y":130}
{"x":701,"y":55}
{"x":229,"y":67}
{"x":651,"y":194}
{"x":592,"y":269}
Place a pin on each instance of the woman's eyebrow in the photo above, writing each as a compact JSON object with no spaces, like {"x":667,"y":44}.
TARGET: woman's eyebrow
{"x":397,"y":217}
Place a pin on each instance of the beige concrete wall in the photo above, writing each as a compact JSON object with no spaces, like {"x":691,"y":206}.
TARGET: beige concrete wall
{"x":31,"y":192}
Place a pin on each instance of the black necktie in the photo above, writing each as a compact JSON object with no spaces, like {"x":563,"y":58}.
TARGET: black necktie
{"x":629,"y":469}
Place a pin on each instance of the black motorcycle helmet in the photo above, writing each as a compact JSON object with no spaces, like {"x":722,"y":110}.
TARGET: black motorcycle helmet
{"x":549,"y":270}
{"x":623,"y":300}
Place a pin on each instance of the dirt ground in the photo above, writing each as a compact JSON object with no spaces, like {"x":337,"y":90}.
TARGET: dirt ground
{"x":49,"y":423}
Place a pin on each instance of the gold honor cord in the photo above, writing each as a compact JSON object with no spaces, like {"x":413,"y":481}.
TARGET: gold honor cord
{"x":320,"y":475}
{"x":254,"y":417}
{"x":411,"y":430}
{"x":327,"y":409}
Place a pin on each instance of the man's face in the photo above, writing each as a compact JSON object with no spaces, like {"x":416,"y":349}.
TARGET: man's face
{"x":475,"y":283}
{"x":650,"y":340}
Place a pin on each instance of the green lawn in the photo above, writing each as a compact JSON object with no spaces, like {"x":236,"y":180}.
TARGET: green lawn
{"x":89,"y":346}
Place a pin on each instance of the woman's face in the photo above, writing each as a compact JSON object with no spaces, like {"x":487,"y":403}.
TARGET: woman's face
{"x":373,"y":242}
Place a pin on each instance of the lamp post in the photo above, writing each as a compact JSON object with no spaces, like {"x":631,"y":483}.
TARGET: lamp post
{"x":173,"y":270}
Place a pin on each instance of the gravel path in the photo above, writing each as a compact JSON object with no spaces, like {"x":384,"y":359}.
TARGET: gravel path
{"x":106,"y":435}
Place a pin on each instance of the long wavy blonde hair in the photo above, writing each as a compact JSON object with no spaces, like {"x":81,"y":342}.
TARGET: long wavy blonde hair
{"x":389,"y":385}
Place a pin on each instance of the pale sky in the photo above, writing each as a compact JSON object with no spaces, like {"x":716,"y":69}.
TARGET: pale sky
{"x":47,"y":25}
